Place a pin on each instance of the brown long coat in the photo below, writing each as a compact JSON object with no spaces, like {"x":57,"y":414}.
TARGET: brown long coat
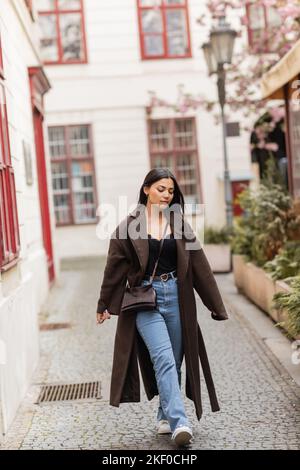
{"x":127,"y":259}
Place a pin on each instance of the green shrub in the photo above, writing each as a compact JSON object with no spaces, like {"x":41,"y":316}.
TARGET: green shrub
{"x":268,"y":221}
{"x":286,"y":263}
{"x":290,"y":301}
{"x":217,"y":235}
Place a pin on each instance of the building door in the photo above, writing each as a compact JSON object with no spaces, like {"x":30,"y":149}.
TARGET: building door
{"x":39,"y":86}
{"x":237,"y":187}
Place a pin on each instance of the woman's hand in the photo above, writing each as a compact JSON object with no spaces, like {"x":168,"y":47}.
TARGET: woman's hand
{"x":102,"y":316}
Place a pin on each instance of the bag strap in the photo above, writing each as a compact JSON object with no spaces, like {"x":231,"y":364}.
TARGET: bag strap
{"x":160,"y":248}
{"x":155,"y":266}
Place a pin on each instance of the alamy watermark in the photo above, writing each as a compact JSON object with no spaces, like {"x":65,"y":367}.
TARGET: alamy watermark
{"x":2,"y":353}
{"x":187,"y":227}
{"x":295,"y":356}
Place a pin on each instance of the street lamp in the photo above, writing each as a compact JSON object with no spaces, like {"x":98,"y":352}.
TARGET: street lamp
{"x":217,"y":53}
{"x":211,"y":62}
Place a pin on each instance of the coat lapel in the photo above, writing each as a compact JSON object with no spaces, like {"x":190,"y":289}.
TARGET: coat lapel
{"x":137,"y":218}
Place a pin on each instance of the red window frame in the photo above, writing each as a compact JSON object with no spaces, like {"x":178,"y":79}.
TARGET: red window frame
{"x":265,"y":46}
{"x":163,"y":7}
{"x":1,"y":62}
{"x":29,"y":5}
{"x":9,"y":225}
{"x":57,"y":12}
{"x":68,"y":159}
{"x":174,"y":152}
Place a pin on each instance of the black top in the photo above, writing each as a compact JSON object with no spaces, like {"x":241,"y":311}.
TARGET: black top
{"x":168,"y":257}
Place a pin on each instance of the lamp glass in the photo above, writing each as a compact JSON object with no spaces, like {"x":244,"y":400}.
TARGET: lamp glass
{"x":209,"y":58}
{"x":222,"y":43}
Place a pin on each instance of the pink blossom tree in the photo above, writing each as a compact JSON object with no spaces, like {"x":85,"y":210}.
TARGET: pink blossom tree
{"x":249,"y":63}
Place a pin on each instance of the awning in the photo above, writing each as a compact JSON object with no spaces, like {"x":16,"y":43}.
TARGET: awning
{"x":284,"y":71}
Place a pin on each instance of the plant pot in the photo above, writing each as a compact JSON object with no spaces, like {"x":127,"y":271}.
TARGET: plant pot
{"x":281,"y":286}
{"x":238,"y":263}
{"x":219,"y":257}
{"x":260,"y":288}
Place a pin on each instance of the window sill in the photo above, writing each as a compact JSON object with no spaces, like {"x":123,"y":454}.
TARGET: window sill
{"x":6,"y":267}
{"x":71,"y":62}
{"x":78,"y":224}
{"x":172,"y":57}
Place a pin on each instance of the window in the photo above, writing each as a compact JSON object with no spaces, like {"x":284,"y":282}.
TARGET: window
{"x":73,"y":173}
{"x":263,"y":22}
{"x":164,"y":29}
{"x":232,"y":129}
{"x":173,"y":145}
{"x":9,"y":227}
{"x":62,"y":34}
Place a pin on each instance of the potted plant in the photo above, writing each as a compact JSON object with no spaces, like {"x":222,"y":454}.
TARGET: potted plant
{"x":283,"y":267}
{"x":287,"y":302}
{"x":286,"y":263}
{"x":269,"y":220}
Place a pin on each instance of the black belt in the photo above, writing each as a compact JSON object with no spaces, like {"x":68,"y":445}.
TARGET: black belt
{"x":162,"y":277}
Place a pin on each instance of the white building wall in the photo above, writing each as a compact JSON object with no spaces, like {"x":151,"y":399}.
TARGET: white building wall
{"x":111,"y":93}
{"x":24,"y":287}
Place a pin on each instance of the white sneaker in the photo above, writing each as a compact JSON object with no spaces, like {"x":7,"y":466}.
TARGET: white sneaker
{"x":163,"y":427}
{"x":182,"y":435}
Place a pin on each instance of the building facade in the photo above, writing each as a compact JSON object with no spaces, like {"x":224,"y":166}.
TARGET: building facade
{"x":27,"y":261}
{"x":77,"y":131}
{"x":103,"y":58}
{"x":281,"y":83}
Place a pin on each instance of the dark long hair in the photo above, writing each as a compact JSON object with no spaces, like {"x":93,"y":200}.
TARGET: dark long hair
{"x":155,"y":175}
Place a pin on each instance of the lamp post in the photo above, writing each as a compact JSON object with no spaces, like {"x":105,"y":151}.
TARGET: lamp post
{"x":217,"y":53}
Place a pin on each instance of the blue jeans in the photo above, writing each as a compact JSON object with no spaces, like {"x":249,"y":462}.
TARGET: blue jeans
{"x":161,"y":332}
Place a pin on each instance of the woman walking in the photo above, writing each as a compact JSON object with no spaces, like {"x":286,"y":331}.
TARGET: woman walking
{"x":160,"y":338}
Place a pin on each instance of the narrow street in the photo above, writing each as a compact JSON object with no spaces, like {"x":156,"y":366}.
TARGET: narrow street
{"x":257,"y":396}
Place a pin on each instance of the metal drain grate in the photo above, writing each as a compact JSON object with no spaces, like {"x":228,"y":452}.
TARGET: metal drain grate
{"x":70,"y":392}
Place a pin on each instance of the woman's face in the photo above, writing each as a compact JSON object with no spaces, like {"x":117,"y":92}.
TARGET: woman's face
{"x":161,"y":192}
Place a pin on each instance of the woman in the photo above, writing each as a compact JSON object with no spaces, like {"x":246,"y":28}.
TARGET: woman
{"x":159,"y":339}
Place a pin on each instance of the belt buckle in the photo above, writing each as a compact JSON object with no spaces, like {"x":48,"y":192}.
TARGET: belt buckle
{"x":164,"y":276}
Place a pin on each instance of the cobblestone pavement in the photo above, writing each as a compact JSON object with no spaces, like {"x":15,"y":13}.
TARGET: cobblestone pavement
{"x":259,"y":401}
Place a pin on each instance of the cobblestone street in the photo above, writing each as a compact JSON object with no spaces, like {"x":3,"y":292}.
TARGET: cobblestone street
{"x":259,"y":400}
